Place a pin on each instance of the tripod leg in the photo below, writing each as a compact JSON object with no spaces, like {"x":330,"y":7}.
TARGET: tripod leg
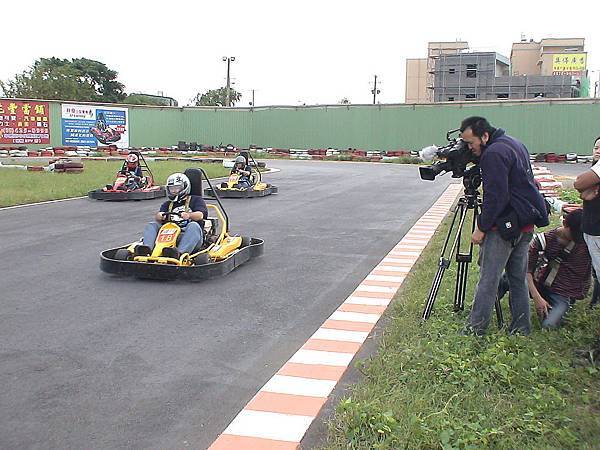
{"x":435,"y":287}
{"x":499,"y":315}
{"x":464,"y":260}
{"x":444,"y":262}
{"x":461,"y":282}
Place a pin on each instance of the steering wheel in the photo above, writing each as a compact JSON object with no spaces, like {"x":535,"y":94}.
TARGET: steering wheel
{"x":176,"y":218}
{"x":169,"y":215}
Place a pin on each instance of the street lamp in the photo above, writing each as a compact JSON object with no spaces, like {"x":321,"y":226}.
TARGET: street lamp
{"x":229,"y":60}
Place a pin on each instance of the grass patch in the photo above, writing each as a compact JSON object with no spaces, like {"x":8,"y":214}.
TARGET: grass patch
{"x":570,"y":195}
{"x":428,"y":387}
{"x":403,"y":160}
{"x":20,"y":187}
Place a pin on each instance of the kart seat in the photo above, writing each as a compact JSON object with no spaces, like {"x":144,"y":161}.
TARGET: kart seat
{"x":210,"y":223}
{"x":211,"y":226}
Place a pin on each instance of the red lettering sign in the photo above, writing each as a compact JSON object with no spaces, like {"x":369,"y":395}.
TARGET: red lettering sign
{"x":15,"y":126}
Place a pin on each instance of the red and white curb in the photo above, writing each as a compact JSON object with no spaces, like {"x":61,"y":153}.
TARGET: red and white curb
{"x":278,"y":416}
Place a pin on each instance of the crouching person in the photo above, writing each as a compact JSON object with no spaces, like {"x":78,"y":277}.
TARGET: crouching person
{"x":559,"y":269}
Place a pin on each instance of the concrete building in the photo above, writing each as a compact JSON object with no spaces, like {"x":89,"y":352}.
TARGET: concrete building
{"x":486,"y":76}
{"x":420,"y":71}
{"x":552,"y":68}
{"x":551,"y":56}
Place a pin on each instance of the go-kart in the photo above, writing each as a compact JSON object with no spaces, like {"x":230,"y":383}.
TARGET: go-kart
{"x":107,"y":136}
{"x":218,"y":254}
{"x":233,"y":189}
{"x":128,"y":186}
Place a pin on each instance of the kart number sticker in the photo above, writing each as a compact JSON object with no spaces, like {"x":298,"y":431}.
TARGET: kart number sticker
{"x":166,"y":236}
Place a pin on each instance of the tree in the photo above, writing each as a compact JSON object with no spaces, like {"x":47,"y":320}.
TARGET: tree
{"x":79,"y":79}
{"x":216,"y":97}
{"x":149,"y":99}
{"x":344,"y":101}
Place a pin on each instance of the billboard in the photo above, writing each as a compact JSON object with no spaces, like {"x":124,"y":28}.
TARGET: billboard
{"x":88,"y":125}
{"x":569,"y":63}
{"x":24,"y":122}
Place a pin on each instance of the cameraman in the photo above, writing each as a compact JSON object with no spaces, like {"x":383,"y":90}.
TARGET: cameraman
{"x":511,"y":206}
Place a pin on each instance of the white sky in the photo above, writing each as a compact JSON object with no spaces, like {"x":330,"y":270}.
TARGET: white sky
{"x":290,"y":52}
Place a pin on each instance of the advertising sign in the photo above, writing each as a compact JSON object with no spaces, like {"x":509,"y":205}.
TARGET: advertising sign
{"x":24,"y":122}
{"x":88,"y":125}
{"x":569,"y":63}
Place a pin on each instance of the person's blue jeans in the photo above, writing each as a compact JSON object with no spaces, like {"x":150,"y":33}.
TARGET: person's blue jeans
{"x":190,"y":237}
{"x":243,"y":183}
{"x":495,"y":256}
{"x":593,"y":245}
{"x":560,"y":305}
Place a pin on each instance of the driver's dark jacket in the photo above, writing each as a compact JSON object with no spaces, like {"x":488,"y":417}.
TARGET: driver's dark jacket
{"x":197,"y":203}
{"x":508,"y":184}
{"x":242,"y":177}
{"x":136,"y":172}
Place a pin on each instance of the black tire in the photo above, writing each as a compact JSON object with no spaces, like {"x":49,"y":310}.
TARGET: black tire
{"x":246,"y":241}
{"x":123,"y":254}
{"x":72,"y":165}
{"x":201,"y":259}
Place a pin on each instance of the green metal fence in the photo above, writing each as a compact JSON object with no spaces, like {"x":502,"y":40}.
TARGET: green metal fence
{"x":560,"y":126}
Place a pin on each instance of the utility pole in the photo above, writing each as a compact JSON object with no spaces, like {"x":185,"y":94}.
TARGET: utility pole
{"x":375,"y":91}
{"x":228,"y":59}
{"x":253,"y":104}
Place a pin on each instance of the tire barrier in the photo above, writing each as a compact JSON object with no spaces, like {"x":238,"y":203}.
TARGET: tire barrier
{"x":219,"y":152}
{"x":545,"y":181}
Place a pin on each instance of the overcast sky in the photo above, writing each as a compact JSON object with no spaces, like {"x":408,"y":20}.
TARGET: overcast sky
{"x":290,"y":52}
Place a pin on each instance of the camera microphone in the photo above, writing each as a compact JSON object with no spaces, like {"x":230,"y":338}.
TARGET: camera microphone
{"x":428,"y":153}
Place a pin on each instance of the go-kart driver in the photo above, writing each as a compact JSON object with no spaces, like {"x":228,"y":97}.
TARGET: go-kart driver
{"x":190,"y":211}
{"x":244,"y":171}
{"x":133,"y":171}
{"x":132,"y":165}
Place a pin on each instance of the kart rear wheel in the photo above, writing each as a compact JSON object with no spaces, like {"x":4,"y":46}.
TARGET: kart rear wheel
{"x":123,"y":254}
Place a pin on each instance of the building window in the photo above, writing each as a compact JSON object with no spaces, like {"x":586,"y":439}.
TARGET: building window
{"x":502,"y":96}
{"x":471,"y":70}
{"x":451,"y":70}
{"x":450,"y":99}
{"x":470,"y":96}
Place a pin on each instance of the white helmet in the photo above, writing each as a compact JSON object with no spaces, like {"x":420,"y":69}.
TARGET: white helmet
{"x":178,"y":187}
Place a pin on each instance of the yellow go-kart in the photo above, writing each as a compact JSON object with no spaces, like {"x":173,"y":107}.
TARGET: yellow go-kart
{"x":232,"y":188}
{"x":218,"y":254}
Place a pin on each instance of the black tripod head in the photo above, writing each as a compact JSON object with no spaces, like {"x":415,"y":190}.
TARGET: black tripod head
{"x":471,"y":183}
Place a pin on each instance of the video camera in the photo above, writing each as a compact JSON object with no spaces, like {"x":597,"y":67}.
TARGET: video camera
{"x":456,"y":156}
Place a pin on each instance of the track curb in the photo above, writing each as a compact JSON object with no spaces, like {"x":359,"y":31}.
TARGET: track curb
{"x":281,"y":412}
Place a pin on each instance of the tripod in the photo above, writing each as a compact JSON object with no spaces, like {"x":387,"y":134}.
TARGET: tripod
{"x":469,"y":201}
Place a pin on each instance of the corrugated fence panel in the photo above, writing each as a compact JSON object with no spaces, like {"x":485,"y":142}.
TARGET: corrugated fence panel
{"x":155,"y":127}
{"x":216,"y":126}
{"x":55,"y":126}
{"x":544,"y":126}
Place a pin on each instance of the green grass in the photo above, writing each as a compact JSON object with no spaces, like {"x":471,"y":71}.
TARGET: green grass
{"x":20,"y":187}
{"x":428,"y":387}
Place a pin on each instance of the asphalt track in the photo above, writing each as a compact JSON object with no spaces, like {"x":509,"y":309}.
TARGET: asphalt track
{"x":89,"y":360}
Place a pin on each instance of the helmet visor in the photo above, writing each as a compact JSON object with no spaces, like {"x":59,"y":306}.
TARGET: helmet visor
{"x":174,"y":190}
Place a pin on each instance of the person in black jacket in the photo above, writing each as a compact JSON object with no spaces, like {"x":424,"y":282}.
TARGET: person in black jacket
{"x":511,"y":201}
{"x":588,"y":184}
